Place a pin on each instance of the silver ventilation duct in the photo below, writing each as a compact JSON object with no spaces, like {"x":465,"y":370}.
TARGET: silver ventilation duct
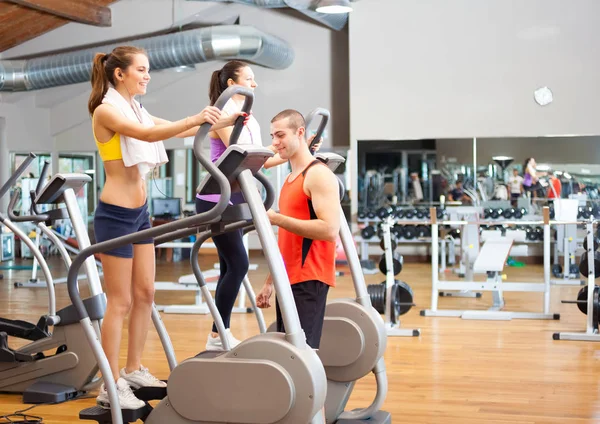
{"x":165,"y":51}
{"x":334,"y":21}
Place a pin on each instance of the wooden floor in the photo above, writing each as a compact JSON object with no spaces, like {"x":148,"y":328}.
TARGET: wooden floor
{"x":457,"y":371}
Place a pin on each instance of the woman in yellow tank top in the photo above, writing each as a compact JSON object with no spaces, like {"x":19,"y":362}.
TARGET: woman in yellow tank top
{"x":129,"y":271}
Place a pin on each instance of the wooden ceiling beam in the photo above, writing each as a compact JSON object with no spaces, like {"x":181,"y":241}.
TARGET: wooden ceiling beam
{"x":75,"y":10}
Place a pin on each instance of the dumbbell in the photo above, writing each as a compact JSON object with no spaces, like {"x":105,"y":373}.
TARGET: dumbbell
{"x":410,"y":213}
{"x":384,"y":212}
{"x":400,"y":213}
{"x":420,"y":214}
{"x":367,"y":232}
{"x":371,"y":214}
{"x":409,"y":232}
{"x":495,"y":213}
{"x":396,"y":231}
{"x":362,"y":214}
{"x":423,"y":231}
{"x":508,"y":213}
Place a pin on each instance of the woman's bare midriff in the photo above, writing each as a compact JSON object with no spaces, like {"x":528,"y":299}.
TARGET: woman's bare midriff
{"x":123,"y":186}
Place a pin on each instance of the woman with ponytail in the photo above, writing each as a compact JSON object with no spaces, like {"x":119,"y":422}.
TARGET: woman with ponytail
{"x":233,"y":259}
{"x":129,"y":271}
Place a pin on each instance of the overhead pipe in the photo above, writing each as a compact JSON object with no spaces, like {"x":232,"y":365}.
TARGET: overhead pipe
{"x":173,"y":50}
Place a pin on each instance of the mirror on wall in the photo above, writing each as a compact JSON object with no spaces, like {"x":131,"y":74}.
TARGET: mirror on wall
{"x":445,"y":170}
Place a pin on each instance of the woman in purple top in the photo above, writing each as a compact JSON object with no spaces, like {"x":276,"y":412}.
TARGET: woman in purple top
{"x":233,"y":259}
{"x":531,"y":181}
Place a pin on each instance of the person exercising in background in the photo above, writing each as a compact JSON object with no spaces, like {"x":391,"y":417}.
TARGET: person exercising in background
{"x":457,"y":194}
{"x":309,"y":223}
{"x":516,"y":187}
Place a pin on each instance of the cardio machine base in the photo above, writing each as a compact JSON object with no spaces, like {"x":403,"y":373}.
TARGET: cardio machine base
{"x":380,"y":417}
{"x":44,"y":392}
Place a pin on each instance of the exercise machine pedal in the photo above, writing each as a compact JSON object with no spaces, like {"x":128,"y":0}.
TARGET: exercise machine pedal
{"x":9,"y":355}
{"x":150,"y":393}
{"x":102,"y":415}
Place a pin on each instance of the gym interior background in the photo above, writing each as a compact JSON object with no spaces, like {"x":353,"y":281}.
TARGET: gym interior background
{"x":451,"y":91}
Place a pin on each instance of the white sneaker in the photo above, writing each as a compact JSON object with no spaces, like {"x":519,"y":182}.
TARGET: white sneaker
{"x":215,"y":344}
{"x":141,"y":378}
{"x":127,"y":399}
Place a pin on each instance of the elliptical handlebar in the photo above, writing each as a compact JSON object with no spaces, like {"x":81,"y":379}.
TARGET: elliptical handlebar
{"x":38,"y":188}
{"x":14,"y":177}
{"x":23,"y":218}
{"x":325,"y":115}
{"x":43,"y":176}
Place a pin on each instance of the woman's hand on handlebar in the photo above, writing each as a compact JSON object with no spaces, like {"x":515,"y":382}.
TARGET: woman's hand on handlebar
{"x":209,"y":114}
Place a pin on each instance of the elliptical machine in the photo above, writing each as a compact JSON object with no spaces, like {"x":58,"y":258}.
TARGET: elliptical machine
{"x":72,"y":368}
{"x":354,"y":338}
{"x":221,"y":387}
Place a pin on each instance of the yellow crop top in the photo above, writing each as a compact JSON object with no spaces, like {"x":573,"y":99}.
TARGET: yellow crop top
{"x":111,"y":149}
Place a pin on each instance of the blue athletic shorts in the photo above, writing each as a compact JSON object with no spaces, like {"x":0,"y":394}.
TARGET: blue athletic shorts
{"x":111,"y":221}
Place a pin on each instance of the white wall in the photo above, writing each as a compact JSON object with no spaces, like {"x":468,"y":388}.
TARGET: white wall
{"x":468,"y":68}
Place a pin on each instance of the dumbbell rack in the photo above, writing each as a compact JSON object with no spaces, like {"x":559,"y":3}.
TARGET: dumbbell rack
{"x":392,"y":329}
{"x":591,"y":332}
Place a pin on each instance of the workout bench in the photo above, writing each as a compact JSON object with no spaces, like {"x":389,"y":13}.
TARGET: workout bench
{"x":490,"y":261}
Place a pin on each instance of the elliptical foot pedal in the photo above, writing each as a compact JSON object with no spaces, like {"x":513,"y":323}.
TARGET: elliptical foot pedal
{"x":102,"y":415}
{"x":210,"y":354}
{"x":150,"y":393}
{"x":45,"y":392}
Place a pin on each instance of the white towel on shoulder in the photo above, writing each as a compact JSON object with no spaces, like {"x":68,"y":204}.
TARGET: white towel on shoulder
{"x":144,"y":154}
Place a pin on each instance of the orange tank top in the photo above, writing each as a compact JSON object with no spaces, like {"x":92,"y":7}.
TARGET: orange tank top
{"x":305,"y":259}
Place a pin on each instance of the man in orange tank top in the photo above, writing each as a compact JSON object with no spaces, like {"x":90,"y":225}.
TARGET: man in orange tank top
{"x":308,"y":221}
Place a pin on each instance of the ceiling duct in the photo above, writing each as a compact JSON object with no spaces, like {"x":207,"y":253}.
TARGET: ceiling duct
{"x":174,"y":50}
{"x":334,"y":21}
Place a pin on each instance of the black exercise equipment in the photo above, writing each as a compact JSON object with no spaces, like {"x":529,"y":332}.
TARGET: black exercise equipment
{"x":518,"y":213}
{"x":583,"y":264}
{"x":508,"y":213}
{"x":397,"y":262}
{"x":394,"y":244}
{"x":409,"y":232}
{"x":596,"y":243}
{"x":423,"y":231}
{"x":400,"y":213}
{"x":396,"y":231}
{"x":410,"y":213}
{"x":557,"y":270}
{"x":367,"y":232}
{"x":384,"y":212}
{"x":581,"y":303}
{"x":402,"y":298}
